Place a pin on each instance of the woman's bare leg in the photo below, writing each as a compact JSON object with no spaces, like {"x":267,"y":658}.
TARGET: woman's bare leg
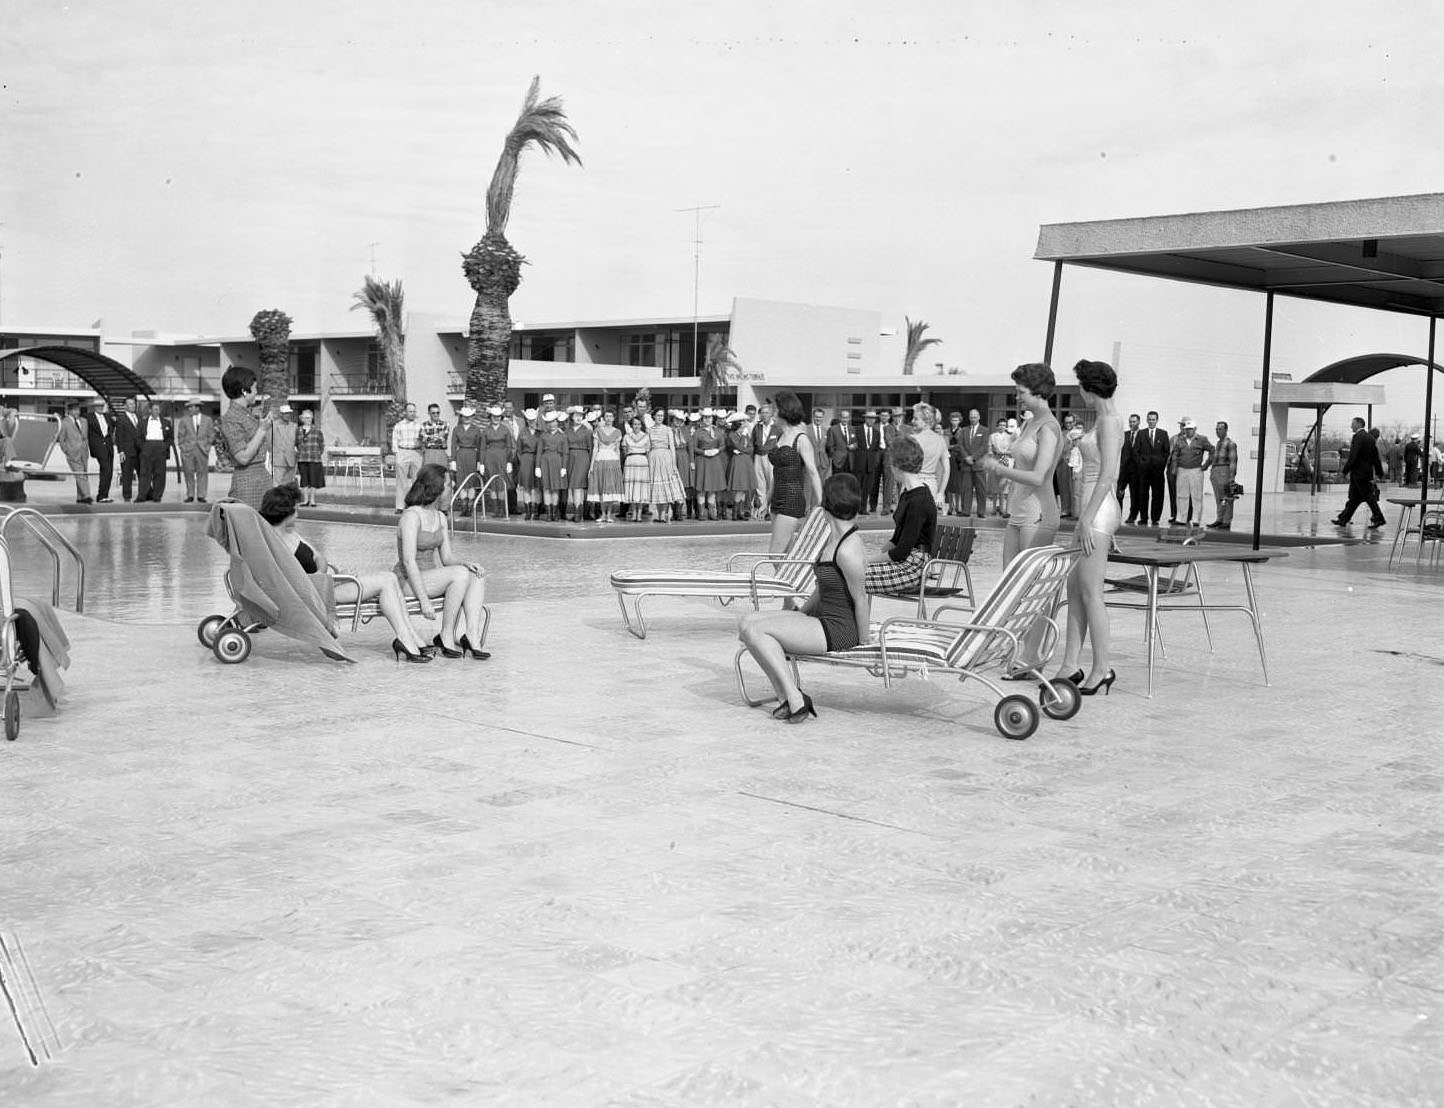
{"x":770,"y":636}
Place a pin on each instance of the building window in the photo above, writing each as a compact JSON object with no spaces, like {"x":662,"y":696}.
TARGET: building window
{"x":642,"y":349}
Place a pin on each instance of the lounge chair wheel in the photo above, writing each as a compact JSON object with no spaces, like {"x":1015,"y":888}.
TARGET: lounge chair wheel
{"x":209,"y":630}
{"x":1065,"y":704}
{"x":1016,"y":717}
{"x":12,"y":716}
{"x":232,"y":647}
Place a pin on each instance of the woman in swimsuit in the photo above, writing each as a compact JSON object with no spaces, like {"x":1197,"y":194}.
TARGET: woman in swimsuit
{"x":1097,"y":523}
{"x":835,"y":617}
{"x":427,"y":567}
{"x":794,"y":471}
{"x":1032,"y":508}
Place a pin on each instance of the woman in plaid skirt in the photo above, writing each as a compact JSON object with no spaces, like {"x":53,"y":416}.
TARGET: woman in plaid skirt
{"x":900,"y":566}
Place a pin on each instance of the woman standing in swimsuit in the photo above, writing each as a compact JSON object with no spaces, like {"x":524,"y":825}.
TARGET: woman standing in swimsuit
{"x":835,"y":617}
{"x":794,"y":470}
{"x":1032,"y":508}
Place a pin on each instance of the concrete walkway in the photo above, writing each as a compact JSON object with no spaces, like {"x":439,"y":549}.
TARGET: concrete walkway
{"x":583,"y":874}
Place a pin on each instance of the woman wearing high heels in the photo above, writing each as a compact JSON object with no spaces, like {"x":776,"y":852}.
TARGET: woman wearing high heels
{"x":1097,"y":523}
{"x":835,"y":617}
{"x":278,"y":508}
{"x":794,"y":473}
{"x":427,"y":568}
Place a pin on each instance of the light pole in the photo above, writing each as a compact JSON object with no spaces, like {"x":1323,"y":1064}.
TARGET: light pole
{"x":696,"y":265}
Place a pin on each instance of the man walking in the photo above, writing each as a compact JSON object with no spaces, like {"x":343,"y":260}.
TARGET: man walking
{"x":156,"y":435}
{"x":195,"y":434}
{"x":405,"y":438}
{"x":1128,"y":468}
{"x":73,"y":441}
{"x":1223,"y":472}
{"x":100,"y":437}
{"x":972,"y":448}
{"x":1152,"y":454}
{"x":1362,"y":467}
{"x":127,"y":445}
{"x":869,"y":456}
{"x":1189,"y":457}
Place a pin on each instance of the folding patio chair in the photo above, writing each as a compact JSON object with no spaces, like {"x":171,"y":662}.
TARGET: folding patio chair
{"x":788,"y":576}
{"x":1026,"y":593}
{"x":945,"y":573}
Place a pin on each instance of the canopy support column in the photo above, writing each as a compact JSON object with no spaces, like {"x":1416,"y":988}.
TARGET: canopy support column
{"x":1429,"y":372}
{"x":1263,"y":421}
{"x":1053,"y":313}
{"x":1318,"y":450}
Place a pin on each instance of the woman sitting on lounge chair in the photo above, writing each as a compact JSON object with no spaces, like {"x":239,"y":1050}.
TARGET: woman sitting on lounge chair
{"x":835,"y":617}
{"x":427,"y":568}
{"x":278,"y":508}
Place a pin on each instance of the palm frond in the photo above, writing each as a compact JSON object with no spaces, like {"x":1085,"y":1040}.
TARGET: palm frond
{"x":916,"y":344}
{"x":543,"y":124}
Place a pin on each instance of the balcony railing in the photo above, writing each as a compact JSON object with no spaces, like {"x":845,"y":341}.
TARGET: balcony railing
{"x":359,"y":386}
{"x":44,"y":380}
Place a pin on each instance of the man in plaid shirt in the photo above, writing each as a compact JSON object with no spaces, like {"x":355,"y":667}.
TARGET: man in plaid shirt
{"x":434,"y":438}
{"x":1223,"y":471}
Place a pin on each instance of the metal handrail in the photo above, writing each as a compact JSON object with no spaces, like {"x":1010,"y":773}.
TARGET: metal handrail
{"x":49,"y":537}
{"x":455,"y":496}
{"x":480,"y":501}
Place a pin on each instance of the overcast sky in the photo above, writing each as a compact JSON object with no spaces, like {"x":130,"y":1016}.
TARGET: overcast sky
{"x":179,"y":166}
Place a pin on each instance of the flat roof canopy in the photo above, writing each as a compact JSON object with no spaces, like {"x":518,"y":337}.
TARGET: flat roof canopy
{"x":1385,"y":253}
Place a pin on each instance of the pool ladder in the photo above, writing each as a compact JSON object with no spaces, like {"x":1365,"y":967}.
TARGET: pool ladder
{"x":54,"y":542}
{"x":478,"y":500}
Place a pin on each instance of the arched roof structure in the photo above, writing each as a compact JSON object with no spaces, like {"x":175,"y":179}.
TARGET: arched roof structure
{"x":1353,"y":371}
{"x":105,"y":375}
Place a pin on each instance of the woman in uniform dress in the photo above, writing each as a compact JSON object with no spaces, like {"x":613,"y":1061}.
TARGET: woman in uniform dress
{"x":741,"y":474}
{"x":551,"y":457}
{"x":636,"y":472}
{"x":666,"y":483}
{"x":579,"y":464}
{"x":466,"y":454}
{"x":685,"y":462}
{"x":528,"y":482}
{"x":604,"y":482}
{"x":497,"y":448}
{"x":707,"y":448}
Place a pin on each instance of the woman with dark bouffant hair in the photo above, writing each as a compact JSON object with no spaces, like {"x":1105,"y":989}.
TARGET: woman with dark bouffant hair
{"x":242,"y":437}
{"x":1097,"y":522}
{"x":835,"y":617}
{"x":900,"y":567}
{"x":1032,"y":508}
{"x":427,"y":568}
{"x":794,"y":472}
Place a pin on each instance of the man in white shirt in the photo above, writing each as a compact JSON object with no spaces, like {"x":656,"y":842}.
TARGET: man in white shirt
{"x":156,"y":437}
{"x":405,"y":445}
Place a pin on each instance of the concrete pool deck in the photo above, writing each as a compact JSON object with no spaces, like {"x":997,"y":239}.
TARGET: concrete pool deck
{"x":582,"y":873}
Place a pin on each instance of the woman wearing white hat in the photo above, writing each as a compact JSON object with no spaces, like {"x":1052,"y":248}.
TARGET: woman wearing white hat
{"x":528,"y":476}
{"x":551,"y":458}
{"x":497,"y":450}
{"x":741,"y":473}
{"x":707,"y":447}
{"x":604,"y":482}
{"x":579,"y":465}
{"x":466,"y":452}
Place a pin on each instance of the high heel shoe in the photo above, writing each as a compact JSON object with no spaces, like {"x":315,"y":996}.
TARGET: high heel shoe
{"x":399,"y":648}
{"x":800,"y":716}
{"x":1105,"y":685}
{"x":1076,"y":677}
{"x":475,"y":652}
{"x":445,"y":651}
{"x":782,"y":711}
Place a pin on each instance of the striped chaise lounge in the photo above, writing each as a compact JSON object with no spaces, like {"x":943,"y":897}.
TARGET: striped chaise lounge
{"x":785,"y":576}
{"x":1027,"y":592}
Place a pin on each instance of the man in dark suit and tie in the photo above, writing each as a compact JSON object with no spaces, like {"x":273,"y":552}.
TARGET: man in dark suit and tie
{"x":1128,"y":467}
{"x":870,"y":461}
{"x":1151,"y":456}
{"x":100,"y":434}
{"x":127,"y":445}
{"x":156,"y":437}
{"x":1362,"y":466}
{"x":841,"y":443}
{"x":971,"y":447}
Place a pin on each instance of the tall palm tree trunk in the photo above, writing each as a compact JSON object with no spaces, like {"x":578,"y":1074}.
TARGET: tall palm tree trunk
{"x":493,"y":269}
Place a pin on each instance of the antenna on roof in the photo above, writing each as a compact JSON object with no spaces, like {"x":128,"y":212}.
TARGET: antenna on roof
{"x":696,"y":266}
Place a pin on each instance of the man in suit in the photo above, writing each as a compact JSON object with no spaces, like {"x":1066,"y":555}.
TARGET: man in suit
{"x":841,"y":443}
{"x":100,"y":437}
{"x":891,"y":425}
{"x":870,"y":461}
{"x":765,"y":434}
{"x":1362,"y":466}
{"x":1151,"y":452}
{"x":127,"y":445}
{"x":1128,"y":468}
{"x":156,"y":437}
{"x":971,"y":445}
{"x":73,"y":441}
{"x":817,"y":433}
{"x":195,"y":434}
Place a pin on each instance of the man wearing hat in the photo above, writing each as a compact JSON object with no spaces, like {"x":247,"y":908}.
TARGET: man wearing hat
{"x":283,"y":447}
{"x":1413,"y":460}
{"x":869,"y":458}
{"x":195,"y":434}
{"x":100,"y":437}
{"x":1362,"y":466}
{"x":71,"y":437}
{"x":1187,"y":459}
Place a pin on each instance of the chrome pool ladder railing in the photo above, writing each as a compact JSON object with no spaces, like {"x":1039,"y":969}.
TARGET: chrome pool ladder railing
{"x":54,"y":542}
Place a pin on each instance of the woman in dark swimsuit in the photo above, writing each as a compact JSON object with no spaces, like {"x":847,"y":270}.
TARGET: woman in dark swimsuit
{"x":836,"y":617}
{"x":794,"y":471}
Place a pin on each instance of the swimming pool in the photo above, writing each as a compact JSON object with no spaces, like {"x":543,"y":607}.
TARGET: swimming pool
{"x":163,"y":569}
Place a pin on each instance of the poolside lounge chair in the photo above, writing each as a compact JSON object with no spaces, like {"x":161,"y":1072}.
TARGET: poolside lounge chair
{"x":1027,"y":592}
{"x":33,"y":650}
{"x":785,"y":576}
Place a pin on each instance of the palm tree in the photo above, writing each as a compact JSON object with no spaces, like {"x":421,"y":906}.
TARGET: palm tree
{"x":720,"y":360}
{"x":271,"y":329}
{"x":916,"y":344}
{"x":386,"y":304}
{"x":493,"y":266}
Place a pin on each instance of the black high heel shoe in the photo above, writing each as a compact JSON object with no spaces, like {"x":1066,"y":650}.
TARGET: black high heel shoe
{"x":1105,"y":685}
{"x":800,"y":716}
{"x":475,"y":652}
{"x":399,"y":649}
{"x":445,"y":652}
{"x":782,"y":711}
